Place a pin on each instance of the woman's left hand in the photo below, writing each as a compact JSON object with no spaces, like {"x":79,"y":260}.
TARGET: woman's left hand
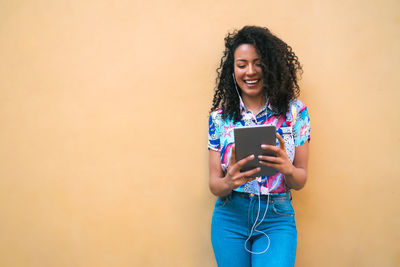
{"x":281,"y":161}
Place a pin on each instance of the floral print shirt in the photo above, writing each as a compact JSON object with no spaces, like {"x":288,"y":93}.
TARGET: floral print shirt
{"x":294,"y":127}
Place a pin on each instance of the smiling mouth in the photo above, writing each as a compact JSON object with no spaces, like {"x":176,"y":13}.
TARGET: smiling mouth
{"x":251,"y":81}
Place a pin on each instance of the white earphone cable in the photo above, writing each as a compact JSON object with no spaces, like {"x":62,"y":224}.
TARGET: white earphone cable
{"x":255,"y":225}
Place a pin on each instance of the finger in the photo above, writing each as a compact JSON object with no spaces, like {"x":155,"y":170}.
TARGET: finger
{"x":243,"y":162}
{"x":269,"y":158}
{"x":248,"y":173}
{"x":270,"y":164}
{"x":270,"y":148}
{"x":281,"y":141}
{"x":234,"y":168}
{"x":233,"y":155}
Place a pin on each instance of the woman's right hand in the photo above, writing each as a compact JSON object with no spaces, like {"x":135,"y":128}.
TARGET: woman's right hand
{"x":234,"y":178}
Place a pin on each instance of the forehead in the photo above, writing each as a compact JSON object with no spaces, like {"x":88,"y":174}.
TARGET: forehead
{"x":245,"y":51}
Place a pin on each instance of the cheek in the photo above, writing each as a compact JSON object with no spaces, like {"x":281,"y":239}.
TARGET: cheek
{"x":238,"y":74}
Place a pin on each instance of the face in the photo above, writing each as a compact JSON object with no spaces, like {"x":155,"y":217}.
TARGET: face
{"x":248,"y":72}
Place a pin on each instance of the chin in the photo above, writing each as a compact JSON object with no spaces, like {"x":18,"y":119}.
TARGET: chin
{"x":253,"y":92}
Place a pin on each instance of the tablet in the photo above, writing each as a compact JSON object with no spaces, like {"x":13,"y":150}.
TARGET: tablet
{"x":248,"y":141}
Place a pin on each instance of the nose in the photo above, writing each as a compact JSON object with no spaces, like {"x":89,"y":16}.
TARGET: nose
{"x":251,"y":70}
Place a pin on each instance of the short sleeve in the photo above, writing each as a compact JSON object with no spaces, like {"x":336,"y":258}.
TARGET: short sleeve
{"x":213,"y":132}
{"x":301,"y":128}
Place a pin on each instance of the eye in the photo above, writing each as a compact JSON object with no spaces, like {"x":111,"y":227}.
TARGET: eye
{"x":241,"y":66}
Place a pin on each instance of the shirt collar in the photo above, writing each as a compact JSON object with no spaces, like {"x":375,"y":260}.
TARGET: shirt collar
{"x":243,"y":108}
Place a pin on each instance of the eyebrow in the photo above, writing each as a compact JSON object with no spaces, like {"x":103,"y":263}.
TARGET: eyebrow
{"x":239,"y":59}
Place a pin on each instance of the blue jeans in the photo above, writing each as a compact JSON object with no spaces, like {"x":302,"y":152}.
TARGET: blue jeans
{"x":232,"y":221}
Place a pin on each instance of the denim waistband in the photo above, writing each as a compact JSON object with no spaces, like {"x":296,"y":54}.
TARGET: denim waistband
{"x":287,"y":195}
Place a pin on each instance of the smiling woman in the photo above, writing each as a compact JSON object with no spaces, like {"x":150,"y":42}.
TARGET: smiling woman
{"x":253,"y":221}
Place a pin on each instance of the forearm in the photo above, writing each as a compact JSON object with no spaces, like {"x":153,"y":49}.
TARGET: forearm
{"x":296,"y":178}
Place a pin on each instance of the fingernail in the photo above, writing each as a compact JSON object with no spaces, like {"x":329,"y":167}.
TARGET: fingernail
{"x":260,"y":157}
{"x":252,"y":156}
{"x":263,"y":146}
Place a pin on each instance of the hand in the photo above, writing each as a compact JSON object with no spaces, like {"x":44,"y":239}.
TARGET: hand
{"x":281,"y":162}
{"x":234,"y":178}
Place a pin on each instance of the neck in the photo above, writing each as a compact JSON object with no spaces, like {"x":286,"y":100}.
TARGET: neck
{"x":254,"y":104}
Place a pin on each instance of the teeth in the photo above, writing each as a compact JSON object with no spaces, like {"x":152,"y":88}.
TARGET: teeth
{"x":252,"y":81}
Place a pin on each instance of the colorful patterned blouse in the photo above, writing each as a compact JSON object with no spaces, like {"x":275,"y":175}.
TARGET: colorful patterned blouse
{"x":221,"y":139}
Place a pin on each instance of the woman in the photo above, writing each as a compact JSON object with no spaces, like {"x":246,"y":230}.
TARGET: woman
{"x":253,"y":221}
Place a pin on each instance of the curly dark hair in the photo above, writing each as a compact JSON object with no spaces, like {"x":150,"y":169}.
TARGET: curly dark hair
{"x":279,"y":65}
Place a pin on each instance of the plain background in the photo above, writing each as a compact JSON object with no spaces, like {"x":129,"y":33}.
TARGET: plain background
{"x":103,"y":129}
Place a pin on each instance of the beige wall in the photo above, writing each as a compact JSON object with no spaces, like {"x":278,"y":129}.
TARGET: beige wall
{"x":103,"y":116}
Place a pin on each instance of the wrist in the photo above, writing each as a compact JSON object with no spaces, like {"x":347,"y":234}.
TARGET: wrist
{"x":226,"y":187}
{"x":290,"y":171}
